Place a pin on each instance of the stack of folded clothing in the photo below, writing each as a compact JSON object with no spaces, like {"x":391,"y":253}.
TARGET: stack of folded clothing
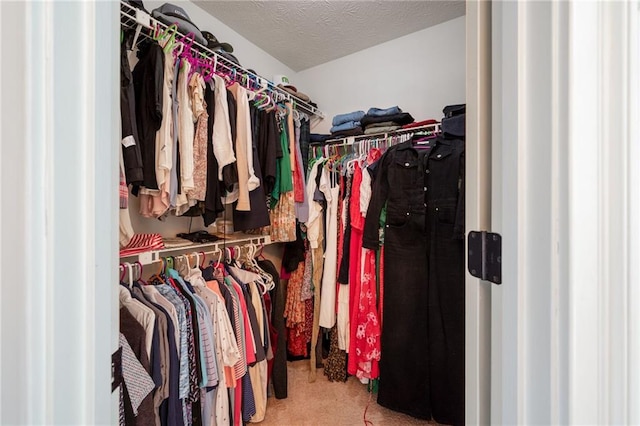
{"x":319,"y":138}
{"x":454,"y":120}
{"x":384,"y":120}
{"x":420,"y":123}
{"x":347,"y":124}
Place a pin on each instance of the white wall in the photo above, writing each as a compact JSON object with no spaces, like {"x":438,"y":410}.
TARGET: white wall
{"x":421,"y":72}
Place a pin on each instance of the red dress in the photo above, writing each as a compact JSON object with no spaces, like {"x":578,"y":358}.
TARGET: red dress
{"x":367,"y":339}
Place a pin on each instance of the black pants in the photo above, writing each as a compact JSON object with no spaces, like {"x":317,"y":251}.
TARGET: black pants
{"x":446,"y":314}
{"x":422,"y":364}
{"x":404,"y":364}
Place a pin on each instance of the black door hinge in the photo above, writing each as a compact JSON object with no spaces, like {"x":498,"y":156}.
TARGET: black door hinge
{"x":485,"y":255}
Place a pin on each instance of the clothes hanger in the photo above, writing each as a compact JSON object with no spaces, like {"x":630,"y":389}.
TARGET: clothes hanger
{"x":206,"y":67}
{"x":130,"y":275}
{"x":217,"y":264}
{"x":140,"y":269}
{"x":158,"y":276}
{"x":122,"y":270}
{"x":166,"y":39}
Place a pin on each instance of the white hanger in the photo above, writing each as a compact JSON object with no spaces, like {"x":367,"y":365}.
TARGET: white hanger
{"x":128,"y":265}
{"x":219,"y":257}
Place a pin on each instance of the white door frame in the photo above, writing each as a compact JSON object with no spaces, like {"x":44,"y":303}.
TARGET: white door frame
{"x":565,"y":328}
{"x":478,"y":209}
{"x":59,"y":118}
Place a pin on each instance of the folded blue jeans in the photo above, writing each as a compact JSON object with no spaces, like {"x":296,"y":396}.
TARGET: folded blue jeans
{"x":349,"y":125}
{"x":379,"y":112}
{"x":345,"y":118}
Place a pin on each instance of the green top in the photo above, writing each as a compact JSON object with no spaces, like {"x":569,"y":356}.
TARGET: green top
{"x":284,"y":175}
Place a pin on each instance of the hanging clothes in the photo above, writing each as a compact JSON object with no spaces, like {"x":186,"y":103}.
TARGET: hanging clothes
{"x":421,"y":367}
{"x":223,"y":148}
{"x":277,"y":331}
{"x":283,"y":219}
{"x":199,"y":106}
{"x":330,"y":189}
{"x":258,"y":216}
{"x":148,"y":83}
{"x":154,"y":202}
{"x":130,"y":151}
{"x":213,"y":197}
{"x":247,"y":181}
{"x":186,"y":120}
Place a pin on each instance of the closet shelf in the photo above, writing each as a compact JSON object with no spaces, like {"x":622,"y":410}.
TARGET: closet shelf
{"x":235,"y":239}
{"x":349,"y":140}
{"x":136,"y":19}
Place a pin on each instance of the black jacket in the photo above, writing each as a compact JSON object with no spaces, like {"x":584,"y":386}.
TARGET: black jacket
{"x":415,"y":182}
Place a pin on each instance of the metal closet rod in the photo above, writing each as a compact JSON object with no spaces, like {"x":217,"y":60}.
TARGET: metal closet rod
{"x":352,"y":139}
{"x":131,"y":21}
{"x":153,"y":256}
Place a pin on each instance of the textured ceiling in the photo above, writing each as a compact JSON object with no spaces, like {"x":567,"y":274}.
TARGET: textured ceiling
{"x":303,"y":34}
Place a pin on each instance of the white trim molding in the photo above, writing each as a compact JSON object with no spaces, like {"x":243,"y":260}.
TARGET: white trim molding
{"x":478,"y":209}
{"x":604,"y":191}
{"x":58,"y":219}
{"x":566,"y":198}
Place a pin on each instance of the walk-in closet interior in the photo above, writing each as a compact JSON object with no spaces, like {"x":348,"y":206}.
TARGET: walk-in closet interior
{"x":292,"y":209}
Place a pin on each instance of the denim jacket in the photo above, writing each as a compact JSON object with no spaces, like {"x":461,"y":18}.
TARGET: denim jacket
{"x":419,"y":184}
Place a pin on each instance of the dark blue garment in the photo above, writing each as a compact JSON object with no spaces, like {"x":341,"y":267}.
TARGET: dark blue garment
{"x":195,"y":372}
{"x":305,"y":140}
{"x":318,"y":137}
{"x":174,"y":409}
{"x":248,"y":399}
{"x":171,"y":408}
{"x":454,"y":126}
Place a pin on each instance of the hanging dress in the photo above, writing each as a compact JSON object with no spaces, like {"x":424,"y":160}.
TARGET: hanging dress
{"x":283,"y":217}
{"x":328,"y":292}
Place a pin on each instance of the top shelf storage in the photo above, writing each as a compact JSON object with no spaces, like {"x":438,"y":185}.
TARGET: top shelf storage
{"x":135,"y":19}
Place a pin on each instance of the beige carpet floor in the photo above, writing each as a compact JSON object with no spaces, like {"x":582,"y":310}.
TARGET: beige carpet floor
{"x":328,"y":403}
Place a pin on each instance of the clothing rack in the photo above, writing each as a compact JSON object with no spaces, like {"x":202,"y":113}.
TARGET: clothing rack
{"x":135,"y":19}
{"x":376,"y":138}
{"x":153,"y":256}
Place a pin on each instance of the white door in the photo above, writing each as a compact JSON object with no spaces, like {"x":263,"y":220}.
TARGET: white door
{"x":59,"y":120}
{"x":564,"y":190}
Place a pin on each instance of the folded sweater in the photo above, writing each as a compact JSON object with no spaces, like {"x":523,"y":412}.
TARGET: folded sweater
{"x":419,"y":123}
{"x":380,"y":129}
{"x":399,"y":119}
{"x":343,"y":133}
{"x":382,"y":124}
